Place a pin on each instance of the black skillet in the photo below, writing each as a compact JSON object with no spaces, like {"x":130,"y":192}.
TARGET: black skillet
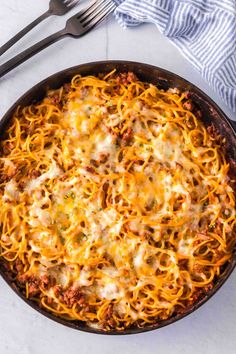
{"x":211,"y":113}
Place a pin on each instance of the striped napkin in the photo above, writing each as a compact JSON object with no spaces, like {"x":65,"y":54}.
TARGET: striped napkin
{"x":203,"y":30}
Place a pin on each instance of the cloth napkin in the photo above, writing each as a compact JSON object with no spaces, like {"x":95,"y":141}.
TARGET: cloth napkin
{"x":203,"y":30}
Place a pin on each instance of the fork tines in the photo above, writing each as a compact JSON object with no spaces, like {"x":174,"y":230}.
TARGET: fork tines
{"x":96,"y":12}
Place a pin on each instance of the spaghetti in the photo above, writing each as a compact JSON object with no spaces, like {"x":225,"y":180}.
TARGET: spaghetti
{"x":117,"y":208}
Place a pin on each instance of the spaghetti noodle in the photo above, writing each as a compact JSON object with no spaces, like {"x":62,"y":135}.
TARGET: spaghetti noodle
{"x":117,"y":208}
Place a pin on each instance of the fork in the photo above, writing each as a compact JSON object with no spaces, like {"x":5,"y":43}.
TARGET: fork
{"x":77,"y":26}
{"x":56,"y":7}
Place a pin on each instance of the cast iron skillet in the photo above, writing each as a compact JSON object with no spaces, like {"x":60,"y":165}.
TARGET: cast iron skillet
{"x":164,"y":79}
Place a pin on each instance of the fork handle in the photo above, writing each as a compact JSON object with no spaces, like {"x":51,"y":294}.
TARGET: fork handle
{"x":23,"y":32}
{"x":28,"y":53}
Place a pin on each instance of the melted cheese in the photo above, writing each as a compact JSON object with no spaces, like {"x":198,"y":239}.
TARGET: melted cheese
{"x":110,"y":291}
{"x":53,"y":172}
{"x":11,"y":191}
{"x":184,"y":248}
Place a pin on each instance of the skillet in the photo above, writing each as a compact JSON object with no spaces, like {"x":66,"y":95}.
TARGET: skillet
{"x":211,"y":113}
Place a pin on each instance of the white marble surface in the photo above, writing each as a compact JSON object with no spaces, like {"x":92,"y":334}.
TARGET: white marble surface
{"x":209,"y":330}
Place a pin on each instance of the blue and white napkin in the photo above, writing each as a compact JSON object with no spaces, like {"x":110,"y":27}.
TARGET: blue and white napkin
{"x":203,"y":30}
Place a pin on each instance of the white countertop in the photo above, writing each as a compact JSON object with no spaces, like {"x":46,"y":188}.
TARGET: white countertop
{"x":211,"y":329}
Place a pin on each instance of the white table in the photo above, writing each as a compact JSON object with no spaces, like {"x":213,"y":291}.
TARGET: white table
{"x":211,"y":329}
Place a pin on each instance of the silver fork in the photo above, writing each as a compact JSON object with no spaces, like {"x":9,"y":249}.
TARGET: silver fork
{"x":77,"y":26}
{"x":56,"y":7}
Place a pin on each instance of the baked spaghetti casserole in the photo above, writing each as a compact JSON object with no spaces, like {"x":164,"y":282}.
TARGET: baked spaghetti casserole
{"x":117,"y":206}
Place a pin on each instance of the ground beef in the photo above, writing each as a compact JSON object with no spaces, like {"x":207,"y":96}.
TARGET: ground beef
{"x":22,"y":185}
{"x":5,"y":178}
{"x":199,"y":294}
{"x":47,"y":281}
{"x":34,"y":174}
{"x":55,"y":99}
{"x":7,"y":148}
{"x":19,"y":266}
{"x":126,"y":78}
{"x":114,"y":134}
{"x":63,"y":177}
{"x":67,"y":88}
{"x":89,"y":169}
{"x":34,"y":287}
{"x":70,"y":296}
{"x":188,"y":105}
{"x":109,"y":320}
{"x":57,"y":290}
{"x":211,"y":129}
{"x":33,"y":284}
{"x":95,"y":163}
{"x":127,"y":136}
{"x":103,"y":157}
